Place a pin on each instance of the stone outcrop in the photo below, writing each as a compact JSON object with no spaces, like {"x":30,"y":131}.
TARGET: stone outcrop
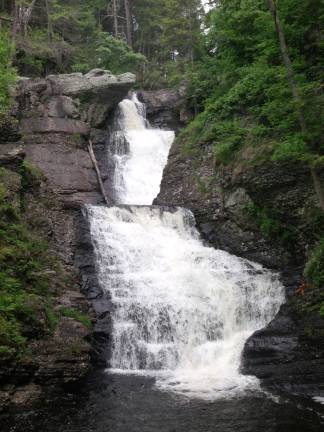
{"x":220,"y":199}
{"x":166,"y":108}
{"x":287,"y":355}
{"x":57,"y":114}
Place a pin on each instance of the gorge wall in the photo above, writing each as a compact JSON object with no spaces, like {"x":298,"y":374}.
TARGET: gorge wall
{"x":50,"y":124}
{"x":231,"y":205}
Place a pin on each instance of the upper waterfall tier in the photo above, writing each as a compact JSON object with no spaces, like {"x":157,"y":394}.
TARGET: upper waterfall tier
{"x":139,"y":153}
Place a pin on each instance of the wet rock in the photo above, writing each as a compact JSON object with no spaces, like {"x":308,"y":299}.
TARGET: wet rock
{"x":57,"y":116}
{"x":9,"y":128}
{"x":100,"y":301}
{"x":166,"y":108}
{"x":25,"y":397}
{"x":65,"y":359}
{"x":11,"y":155}
{"x":62,"y":106}
{"x":288,"y":354}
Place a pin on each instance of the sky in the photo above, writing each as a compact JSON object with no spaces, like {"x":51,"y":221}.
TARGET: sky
{"x":205,"y":4}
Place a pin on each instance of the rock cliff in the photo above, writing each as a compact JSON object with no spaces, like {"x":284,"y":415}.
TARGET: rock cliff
{"x":266,"y":213}
{"x":50,"y":124}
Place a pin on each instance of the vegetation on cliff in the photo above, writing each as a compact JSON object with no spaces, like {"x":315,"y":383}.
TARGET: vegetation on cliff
{"x":241,"y":85}
{"x":31,"y":275}
{"x":249,"y":113}
{"x":7,"y":72}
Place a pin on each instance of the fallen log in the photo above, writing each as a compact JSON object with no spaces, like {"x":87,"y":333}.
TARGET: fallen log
{"x":96,"y":167}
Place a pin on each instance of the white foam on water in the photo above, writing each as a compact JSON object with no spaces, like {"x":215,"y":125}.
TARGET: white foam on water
{"x":182,"y":311}
{"x":139,"y":168}
{"x":319,"y":399}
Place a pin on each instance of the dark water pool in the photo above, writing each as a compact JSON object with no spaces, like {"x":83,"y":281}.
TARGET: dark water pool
{"x":119,"y":403}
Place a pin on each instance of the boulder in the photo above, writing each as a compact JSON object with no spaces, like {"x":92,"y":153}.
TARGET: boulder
{"x":97,"y":83}
{"x":166,"y":108}
{"x":62,"y":106}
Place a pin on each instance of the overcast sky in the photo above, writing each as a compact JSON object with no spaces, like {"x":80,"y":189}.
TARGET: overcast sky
{"x":206,"y":7}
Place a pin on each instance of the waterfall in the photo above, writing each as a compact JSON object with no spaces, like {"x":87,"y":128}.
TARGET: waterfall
{"x":182,"y":311}
{"x":140,"y":154}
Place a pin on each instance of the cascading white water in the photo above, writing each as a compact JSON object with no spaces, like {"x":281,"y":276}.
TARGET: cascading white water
{"x":181,"y":311}
{"x":138,"y":164}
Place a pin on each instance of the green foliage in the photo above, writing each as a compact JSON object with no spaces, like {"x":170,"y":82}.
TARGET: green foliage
{"x":314,"y":269}
{"x":77,"y":315}
{"x":107,"y":52}
{"x":291,"y":148}
{"x":7,"y":73}
{"x":73,"y":35}
{"x":31,"y":176}
{"x":24,"y":281}
{"x":314,"y":219}
{"x":270,"y":225}
{"x":322,"y":310}
{"x":241,"y":82}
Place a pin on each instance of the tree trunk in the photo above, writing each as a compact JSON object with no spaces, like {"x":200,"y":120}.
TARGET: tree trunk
{"x":295,"y":94}
{"x":49,"y":24}
{"x":128,"y":23}
{"x":318,"y":187}
{"x":115,"y":18}
{"x":287,"y":62}
{"x":96,"y":167}
{"x":14,"y":31}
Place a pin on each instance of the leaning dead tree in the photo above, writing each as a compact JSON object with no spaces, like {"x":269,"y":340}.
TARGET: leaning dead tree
{"x":120,"y":14}
{"x":22,"y":15}
{"x":96,"y":167}
{"x":295,"y":93}
{"x":128,"y":23}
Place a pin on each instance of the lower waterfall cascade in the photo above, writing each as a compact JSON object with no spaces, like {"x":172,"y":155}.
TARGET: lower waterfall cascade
{"x":182,"y":311}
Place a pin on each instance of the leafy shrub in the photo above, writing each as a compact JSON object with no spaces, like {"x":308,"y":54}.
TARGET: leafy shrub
{"x":110,"y":53}
{"x":24,"y":260}
{"x":77,"y":315}
{"x":31,"y":176}
{"x":314,"y":269}
{"x":270,"y":225}
{"x":7,"y":73}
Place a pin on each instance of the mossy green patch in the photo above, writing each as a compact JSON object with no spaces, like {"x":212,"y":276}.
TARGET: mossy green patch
{"x":271,"y":226}
{"x":77,"y":315}
{"x":314,"y":269}
{"x":25,"y":264}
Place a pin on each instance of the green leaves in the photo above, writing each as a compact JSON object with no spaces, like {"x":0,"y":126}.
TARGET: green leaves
{"x":7,"y":73}
{"x":241,"y":82}
{"x":314,"y":269}
{"x":24,"y":260}
{"x":107,"y":52}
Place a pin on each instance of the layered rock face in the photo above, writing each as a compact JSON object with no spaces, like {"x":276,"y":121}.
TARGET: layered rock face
{"x":56,"y":117}
{"x":166,"y":108}
{"x":221,"y":198}
{"x":58,"y":354}
{"x":288,"y":354}
{"x":56,"y":114}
